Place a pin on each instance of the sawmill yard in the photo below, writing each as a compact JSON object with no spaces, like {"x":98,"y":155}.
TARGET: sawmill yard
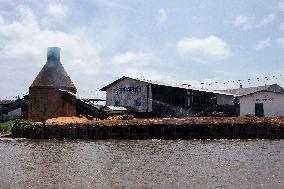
{"x":127,"y":120}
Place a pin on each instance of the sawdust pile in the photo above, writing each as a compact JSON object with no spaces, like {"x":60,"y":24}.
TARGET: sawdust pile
{"x":68,"y":120}
{"x":130,"y":120}
{"x":121,"y":117}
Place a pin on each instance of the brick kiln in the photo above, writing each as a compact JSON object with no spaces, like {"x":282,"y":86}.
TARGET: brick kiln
{"x":44,"y":96}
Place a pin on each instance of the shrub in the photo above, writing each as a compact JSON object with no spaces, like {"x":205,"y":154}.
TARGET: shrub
{"x":27,"y":129}
{"x":6,"y":127}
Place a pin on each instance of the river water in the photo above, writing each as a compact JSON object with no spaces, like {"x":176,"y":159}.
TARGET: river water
{"x":142,"y":164}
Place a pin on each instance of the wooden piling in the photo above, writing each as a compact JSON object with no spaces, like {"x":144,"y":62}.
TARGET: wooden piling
{"x":184,"y":131}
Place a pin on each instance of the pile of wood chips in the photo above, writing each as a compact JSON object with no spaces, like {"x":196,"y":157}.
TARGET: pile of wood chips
{"x":69,"y":120}
{"x":130,"y":120}
{"x":121,"y":117}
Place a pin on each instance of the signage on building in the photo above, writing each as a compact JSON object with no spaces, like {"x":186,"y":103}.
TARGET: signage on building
{"x":129,"y":89}
{"x":263,"y":99}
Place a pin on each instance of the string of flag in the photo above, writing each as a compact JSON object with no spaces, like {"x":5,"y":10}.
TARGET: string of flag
{"x":242,"y":81}
{"x":204,"y":85}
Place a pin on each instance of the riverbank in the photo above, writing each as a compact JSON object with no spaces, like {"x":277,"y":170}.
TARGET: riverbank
{"x":166,"y":128}
{"x":127,"y":127}
{"x":124,"y":120}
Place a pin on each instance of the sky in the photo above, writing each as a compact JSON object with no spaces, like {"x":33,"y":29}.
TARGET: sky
{"x":203,"y":43}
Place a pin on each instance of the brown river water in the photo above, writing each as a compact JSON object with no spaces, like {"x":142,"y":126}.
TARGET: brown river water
{"x":141,"y":164}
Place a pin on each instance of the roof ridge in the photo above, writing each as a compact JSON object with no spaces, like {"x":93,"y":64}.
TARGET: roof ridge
{"x":249,"y":90}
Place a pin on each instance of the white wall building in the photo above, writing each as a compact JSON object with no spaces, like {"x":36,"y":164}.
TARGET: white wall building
{"x":265,"y":100}
{"x":128,"y":92}
{"x":263,"y":103}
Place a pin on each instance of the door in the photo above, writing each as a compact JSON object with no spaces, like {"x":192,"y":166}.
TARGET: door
{"x":259,"y":109}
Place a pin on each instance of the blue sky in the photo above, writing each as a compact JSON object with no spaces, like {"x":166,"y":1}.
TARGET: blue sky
{"x":181,"y":41}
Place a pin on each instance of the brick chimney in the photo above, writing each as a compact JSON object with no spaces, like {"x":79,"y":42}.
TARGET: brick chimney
{"x":45,"y":98}
{"x":53,"y":54}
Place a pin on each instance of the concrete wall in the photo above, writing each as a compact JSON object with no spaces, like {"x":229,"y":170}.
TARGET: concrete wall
{"x":130,"y":93}
{"x":47,"y":103}
{"x":225,"y":99}
{"x":273,"y":103}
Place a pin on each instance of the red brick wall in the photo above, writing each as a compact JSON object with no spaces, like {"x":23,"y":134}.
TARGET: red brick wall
{"x":46,"y":103}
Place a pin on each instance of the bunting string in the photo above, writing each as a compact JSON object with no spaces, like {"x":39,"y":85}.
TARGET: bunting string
{"x":204,"y":85}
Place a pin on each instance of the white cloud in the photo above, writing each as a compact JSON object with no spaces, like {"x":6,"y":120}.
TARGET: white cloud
{"x":281,"y":41}
{"x":267,"y":20}
{"x":241,"y":20}
{"x":9,"y":2}
{"x":136,"y":58}
{"x":56,"y":14}
{"x":1,"y":20}
{"x":151,"y":74}
{"x":244,"y":22}
{"x":18,"y":30}
{"x":282,"y":26}
{"x":57,"y":10}
{"x":162,"y":16}
{"x":263,"y":44}
{"x":24,"y":43}
{"x":210,"y":47}
{"x":115,"y":4}
{"x":281,"y":6}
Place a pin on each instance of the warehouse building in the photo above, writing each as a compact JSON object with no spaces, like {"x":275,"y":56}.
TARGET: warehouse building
{"x":160,"y":99}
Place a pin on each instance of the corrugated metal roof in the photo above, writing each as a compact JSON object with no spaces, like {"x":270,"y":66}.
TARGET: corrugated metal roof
{"x":250,"y":90}
{"x":188,"y":87}
{"x":115,"y":108}
{"x":2,"y":102}
{"x":267,"y":91}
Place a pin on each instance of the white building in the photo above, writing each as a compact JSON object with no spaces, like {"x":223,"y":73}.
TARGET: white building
{"x":263,"y":103}
{"x":265,"y":100}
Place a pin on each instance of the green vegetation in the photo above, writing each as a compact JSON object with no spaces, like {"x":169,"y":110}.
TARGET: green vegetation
{"x":23,"y":128}
{"x":6,"y":127}
{"x":27,"y":129}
